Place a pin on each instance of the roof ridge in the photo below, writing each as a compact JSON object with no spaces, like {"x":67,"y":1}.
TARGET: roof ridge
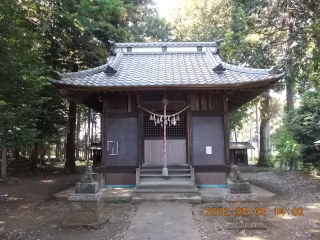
{"x":117,"y":60}
{"x":211,"y":59}
{"x":168,"y":44}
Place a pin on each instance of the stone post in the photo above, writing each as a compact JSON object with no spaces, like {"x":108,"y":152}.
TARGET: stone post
{"x":244,"y":210}
{"x":86,"y":204}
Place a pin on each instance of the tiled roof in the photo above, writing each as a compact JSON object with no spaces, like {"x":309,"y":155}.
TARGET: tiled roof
{"x":168,"y":44}
{"x":165,"y":69}
{"x":240,"y":145}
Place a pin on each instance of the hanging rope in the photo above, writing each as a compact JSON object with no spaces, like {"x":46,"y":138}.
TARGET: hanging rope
{"x":165,"y":136}
{"x":160,"y":115}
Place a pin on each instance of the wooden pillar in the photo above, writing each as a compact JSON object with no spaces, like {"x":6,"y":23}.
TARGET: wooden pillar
{"x":189,"y":132}
{"x":104,"y":140}
{"x":140,"y":131}
{"x":4,"y":163}
{"x":226,"y":128}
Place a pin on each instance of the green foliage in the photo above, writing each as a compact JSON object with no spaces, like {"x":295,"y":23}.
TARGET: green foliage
{"x":287,"y":149}
{"x":150,"y":27}
{"x":304,"y":123}
{"x":238,"y":117}
{"x":205,"y":20}
{"x":22,"y":70}
{"x":40,"y":37}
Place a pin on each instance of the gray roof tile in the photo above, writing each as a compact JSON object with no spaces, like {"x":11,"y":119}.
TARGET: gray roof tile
{"x":164,"y":69}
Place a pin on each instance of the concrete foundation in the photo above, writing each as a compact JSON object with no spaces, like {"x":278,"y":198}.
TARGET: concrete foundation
{"x":243,"y":209}
{"x":208,"y":195}
{"x":85,"y":210}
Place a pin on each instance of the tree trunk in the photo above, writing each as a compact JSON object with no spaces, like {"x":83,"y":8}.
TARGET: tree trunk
{"x":42,"y":152}
{"x":265,"y":117}
{"x":89,"y":125}
{"x":263,"y":155}
{"x":70,"y":164}
{"x":34,"y":157}
{"x":78,"y":131}
{"x":64,"y":149}
{"x":86,"y":141}
{"x":92,"y":125}
{"x":58,"y":150}
{"x":289,"y":90}
{"x":268,"y":135}
{"x":257,"y":127}
{"x":4,"y":163}
{"x":235,"y":135}
{"x":49,"y":152}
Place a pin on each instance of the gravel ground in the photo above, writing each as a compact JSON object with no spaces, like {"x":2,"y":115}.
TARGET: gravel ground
{"x":292,"y":188}
{"x":27,"y":210}
{"x":295,"y":187}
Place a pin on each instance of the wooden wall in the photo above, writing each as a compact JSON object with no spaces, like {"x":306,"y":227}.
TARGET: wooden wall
{"x":208,"y":131}
{"x":206,"y":101}
{"x":125,"y":132}
{"x":120,"y":178}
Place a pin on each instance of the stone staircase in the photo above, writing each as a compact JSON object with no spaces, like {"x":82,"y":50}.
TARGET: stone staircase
{"x":178,"y":186}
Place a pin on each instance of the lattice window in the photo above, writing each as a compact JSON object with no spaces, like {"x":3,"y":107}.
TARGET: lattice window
{"x":156,"y":131}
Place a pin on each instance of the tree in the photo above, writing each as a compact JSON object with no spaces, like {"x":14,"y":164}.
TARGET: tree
{"x":237,"y":118}
{"x":70,"y":164}
{"x":205,"y":20}
{"x":305,"y":128}
{"x":287,"y":149}
{"x":265,"y":118}
{"x":21,"y":74}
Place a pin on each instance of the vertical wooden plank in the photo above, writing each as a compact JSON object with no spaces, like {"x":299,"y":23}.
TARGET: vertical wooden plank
{"x":204,"y":101}
{"x":195,"y":101}
{"x":140,"y":131}
{"x":129,"y":102}
{"x":4,"y":163}
{"x":210,"y":107}
{"x":226,"y":128}
{"x":104,"y":139}
{"x":189,"y":131}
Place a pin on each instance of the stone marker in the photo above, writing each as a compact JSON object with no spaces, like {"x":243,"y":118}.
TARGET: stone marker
{"x":86,"y":204}
{"x":244,"y":210}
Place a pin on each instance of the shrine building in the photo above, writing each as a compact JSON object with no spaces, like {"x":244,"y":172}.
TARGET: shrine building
{"x":164,"y":109}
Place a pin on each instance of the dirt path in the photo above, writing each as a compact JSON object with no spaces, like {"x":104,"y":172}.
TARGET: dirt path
{"x":28,"y":211}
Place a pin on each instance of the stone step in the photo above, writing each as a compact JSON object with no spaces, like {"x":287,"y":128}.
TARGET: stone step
{"x":166,"y":179}
{"x":170,"y":175}
{"x":169,"y":170}
{"x":161,"y":185}
{"x":193,"y":190}
{"x":178,"y":166}
{"x":166,"y":197}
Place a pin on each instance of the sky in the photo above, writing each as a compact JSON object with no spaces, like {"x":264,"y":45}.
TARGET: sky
{"x":166,"y":6}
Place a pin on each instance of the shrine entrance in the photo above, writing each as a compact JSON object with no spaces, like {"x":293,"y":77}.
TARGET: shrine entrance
{"x":176,"y":140}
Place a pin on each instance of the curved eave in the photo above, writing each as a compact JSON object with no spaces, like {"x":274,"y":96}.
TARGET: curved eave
{"x":270,"y":79}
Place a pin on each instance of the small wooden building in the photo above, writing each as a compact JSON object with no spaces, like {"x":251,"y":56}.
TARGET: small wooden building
{"x":96,"y":152}
{"x":239,"y":153}
{"x":192,"y":77}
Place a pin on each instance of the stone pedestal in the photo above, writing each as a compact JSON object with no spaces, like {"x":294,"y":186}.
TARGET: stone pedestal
{"x":238,"y":187}
{"x":241,"y":206}
{"x":87,"y":187}
{"x":85,"y":210}
{"x":86,"y":204}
